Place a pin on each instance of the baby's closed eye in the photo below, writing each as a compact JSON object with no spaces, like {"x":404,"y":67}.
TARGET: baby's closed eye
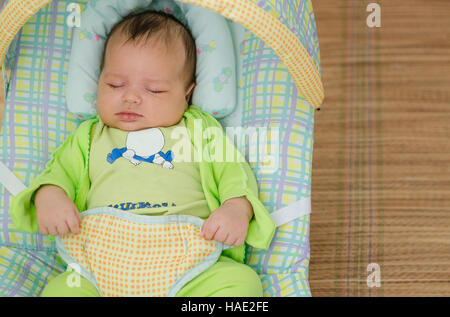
{"x":114,"y":86}
{"x":155,"y":91}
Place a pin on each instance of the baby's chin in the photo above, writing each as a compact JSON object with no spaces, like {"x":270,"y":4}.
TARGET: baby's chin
{"x":130,"y":126}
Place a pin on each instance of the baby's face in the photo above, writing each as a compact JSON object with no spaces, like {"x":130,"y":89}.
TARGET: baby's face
{"x":142,"y":85}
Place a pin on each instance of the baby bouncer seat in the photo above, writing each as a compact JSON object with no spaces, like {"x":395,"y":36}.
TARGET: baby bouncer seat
{"x":275,"y":74}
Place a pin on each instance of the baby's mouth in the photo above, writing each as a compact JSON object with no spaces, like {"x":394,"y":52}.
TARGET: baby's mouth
{"x":128,"y":116}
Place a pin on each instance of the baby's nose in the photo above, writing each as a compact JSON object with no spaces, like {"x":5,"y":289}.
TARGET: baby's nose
{"x":132,"y":97}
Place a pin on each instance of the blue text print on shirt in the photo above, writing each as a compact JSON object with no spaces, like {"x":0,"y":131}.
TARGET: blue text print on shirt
{"x":139,"y":205}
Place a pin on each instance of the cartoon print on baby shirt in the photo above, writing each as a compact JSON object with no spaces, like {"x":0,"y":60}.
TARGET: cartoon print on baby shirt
{"x":143,"y":146}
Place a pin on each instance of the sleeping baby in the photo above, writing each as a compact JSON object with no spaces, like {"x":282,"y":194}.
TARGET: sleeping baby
{"x":126,"y":158}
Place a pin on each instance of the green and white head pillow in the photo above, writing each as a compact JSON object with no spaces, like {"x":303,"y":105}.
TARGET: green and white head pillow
{"x":215,"y":90}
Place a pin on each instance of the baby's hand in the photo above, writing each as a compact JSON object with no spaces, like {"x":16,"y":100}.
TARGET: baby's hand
{"x":56,"y":213}
{"x":229,"y":222}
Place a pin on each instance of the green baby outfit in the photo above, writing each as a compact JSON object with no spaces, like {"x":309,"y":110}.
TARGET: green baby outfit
{"x":156,"y":182}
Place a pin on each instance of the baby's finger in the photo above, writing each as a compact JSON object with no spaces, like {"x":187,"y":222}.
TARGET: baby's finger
{"x":221,"y":235}
{"x":52,"y":230}
{"x":77,"y":218}
{"x":231,"y":240}
{"x":239,"y":242}
{"x":78,"y":214}
{"x":43,"y":230}
{"x":62,"y":228}
{"x":73,"y":224}
{"x":209,"y":229}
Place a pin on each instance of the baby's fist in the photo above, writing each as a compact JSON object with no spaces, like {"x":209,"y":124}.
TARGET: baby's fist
{"x":229,"y":223}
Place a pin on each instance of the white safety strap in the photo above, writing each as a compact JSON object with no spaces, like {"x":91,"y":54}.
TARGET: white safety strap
{"x":292,"y":211}
{"x":10,"y":181}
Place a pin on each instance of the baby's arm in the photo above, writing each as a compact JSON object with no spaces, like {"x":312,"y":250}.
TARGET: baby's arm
{"x":229,"y":222}
{"x":65,"y":171}
{"x":233,"y":179}
{"x":56,"y":213}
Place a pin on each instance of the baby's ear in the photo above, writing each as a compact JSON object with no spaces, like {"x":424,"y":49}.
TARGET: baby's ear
{"x":189,"y":91}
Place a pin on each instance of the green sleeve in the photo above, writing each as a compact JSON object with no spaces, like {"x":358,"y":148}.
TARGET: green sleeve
{"x":65,"y":170}
{"x":235,"y":179}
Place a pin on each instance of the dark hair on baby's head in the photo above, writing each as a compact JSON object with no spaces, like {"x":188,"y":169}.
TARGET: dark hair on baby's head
{"x":148,"y":24}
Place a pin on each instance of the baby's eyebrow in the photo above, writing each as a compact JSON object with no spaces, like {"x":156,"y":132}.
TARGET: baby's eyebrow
{"x":155,"y":80}
{"x":145,"y":79}
{"x":112,"y":75}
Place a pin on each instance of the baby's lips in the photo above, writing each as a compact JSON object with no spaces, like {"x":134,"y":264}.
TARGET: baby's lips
{"x":128,"y":116}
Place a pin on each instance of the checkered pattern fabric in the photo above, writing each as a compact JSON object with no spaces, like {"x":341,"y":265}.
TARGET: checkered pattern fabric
{"x":36,"y":122}
{"x":125,"y":257}
{"x":25,"y":272}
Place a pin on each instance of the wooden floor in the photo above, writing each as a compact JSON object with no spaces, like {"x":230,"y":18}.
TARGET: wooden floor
{"x":381,"y":163}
